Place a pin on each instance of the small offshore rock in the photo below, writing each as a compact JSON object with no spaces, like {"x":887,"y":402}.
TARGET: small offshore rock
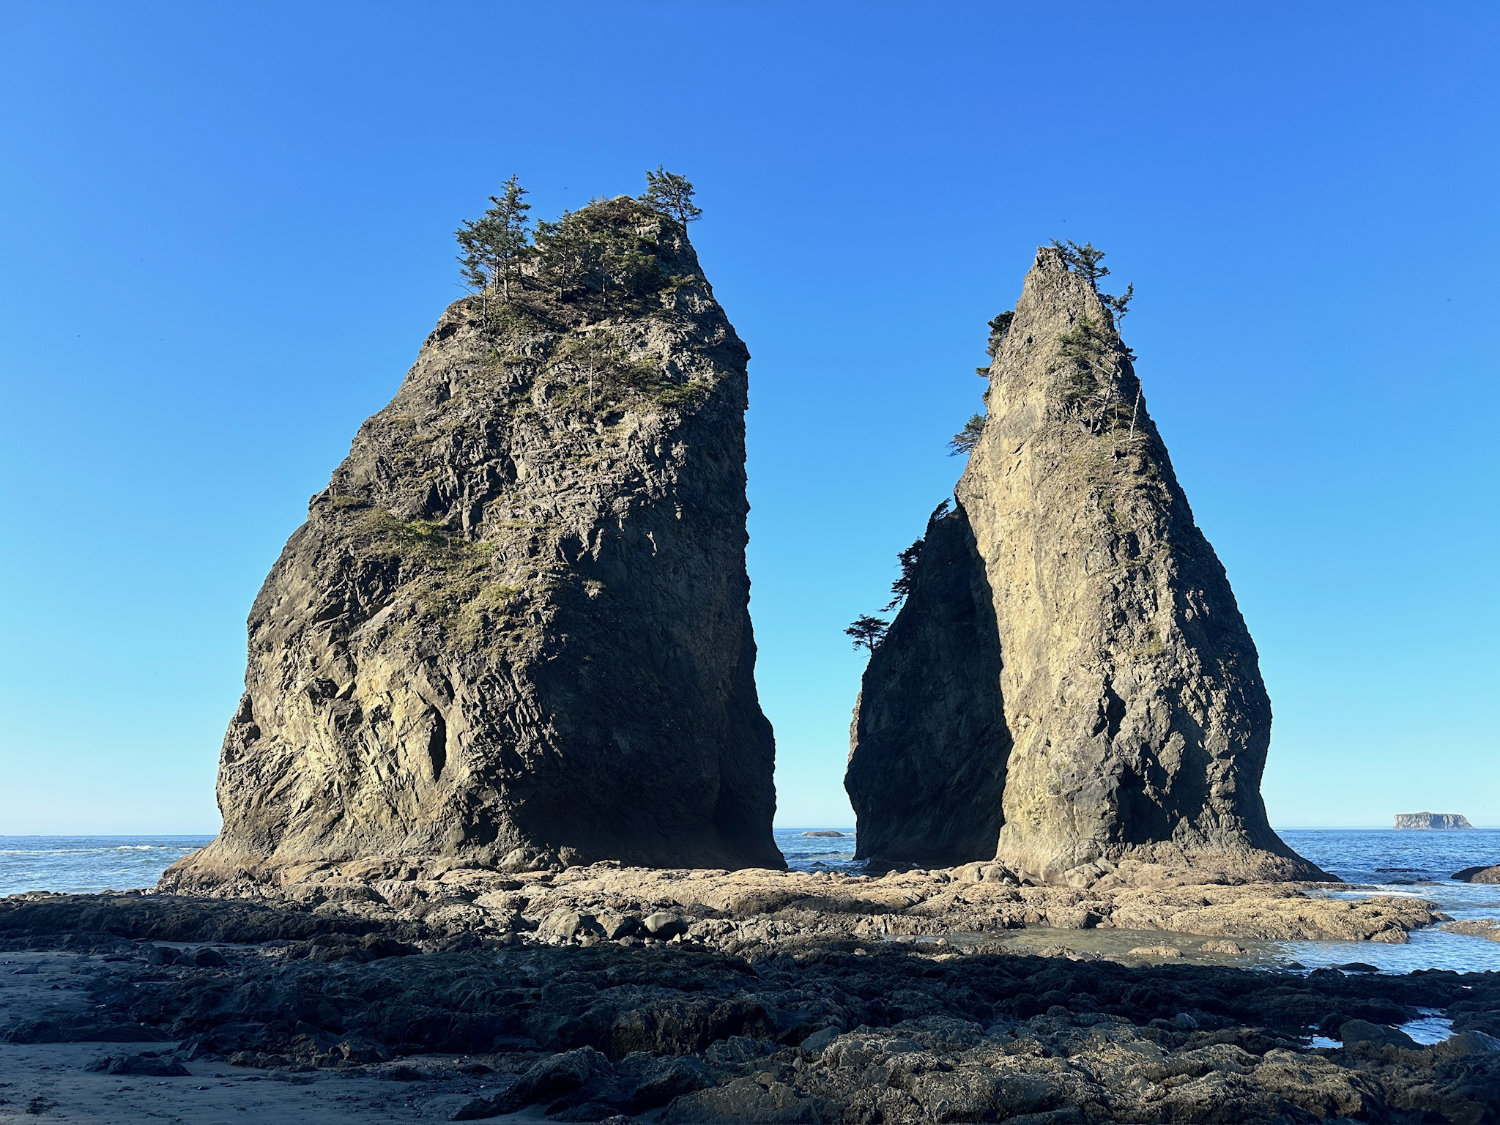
{"x":1474,"y":927}
{"x":1432,"y":821}
{"x":1478,"y":874}
{"x":1154,"y":951}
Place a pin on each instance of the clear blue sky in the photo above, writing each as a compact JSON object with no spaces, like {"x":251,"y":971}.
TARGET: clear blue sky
{"x":226,"y":228}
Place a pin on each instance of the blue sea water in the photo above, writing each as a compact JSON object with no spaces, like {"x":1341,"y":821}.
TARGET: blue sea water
{"x":805,"y":852}
{"x":1406,"y":863}
{"x":1370,"y":860}
{"x":84,"y":864}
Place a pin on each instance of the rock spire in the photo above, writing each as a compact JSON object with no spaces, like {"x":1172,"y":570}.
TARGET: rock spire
{"x":1069,"y":683}
{"x":513,"y":631}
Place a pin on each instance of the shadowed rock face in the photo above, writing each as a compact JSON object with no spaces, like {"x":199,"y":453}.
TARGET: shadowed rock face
{"x":934,"y":801}
{"x":514,"y":628}
{"x":1129,"y":689}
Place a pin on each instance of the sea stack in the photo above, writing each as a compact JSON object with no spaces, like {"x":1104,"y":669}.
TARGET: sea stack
{"x":1431,"y":821}
{"x":513,"y":631}
{"x":1069,"y":682}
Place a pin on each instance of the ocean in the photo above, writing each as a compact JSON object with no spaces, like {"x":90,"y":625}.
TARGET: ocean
{"x":84,"y":864}
{"x":1406,"y":863}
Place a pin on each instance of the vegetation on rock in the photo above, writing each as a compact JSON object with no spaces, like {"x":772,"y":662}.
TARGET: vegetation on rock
{"x":966,"y":439}
{"x":514,"y":629}
{"x":867,"y":632}
{"x":1069,"y":675}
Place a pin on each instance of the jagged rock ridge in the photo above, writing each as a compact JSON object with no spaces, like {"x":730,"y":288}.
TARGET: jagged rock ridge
{"x":1132,"y":719}
{"x":514,"y":630}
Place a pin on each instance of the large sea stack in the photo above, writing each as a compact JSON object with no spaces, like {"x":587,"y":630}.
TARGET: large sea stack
{"x":513,"y":631}
{"x":1069,"y":682}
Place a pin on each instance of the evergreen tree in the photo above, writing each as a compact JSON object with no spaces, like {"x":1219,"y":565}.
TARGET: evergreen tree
{"x":967,"y":438}
{"x":908,"y":563}
{"x":492,"y":245}
{"x":670,"y":194}
{"x":867,"y":631}
{"x":1086,"y":343}
{"x":999,"y":329}
{"x":1083,"y":259}
{"x":566,"y":253}
{"x":1118,"y":306}
{"x":599,"y":249}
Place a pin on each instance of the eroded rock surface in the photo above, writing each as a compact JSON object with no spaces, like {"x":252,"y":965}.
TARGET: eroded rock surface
{"x":513,"y":630}
{"x":1132,"y":719}
{"x":761,"y":910}
{"x":429,"y":1022}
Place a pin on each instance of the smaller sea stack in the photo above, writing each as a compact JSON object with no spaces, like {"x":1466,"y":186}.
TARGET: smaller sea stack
{"x":1431,"y":821}
{"x":1069,"y":682}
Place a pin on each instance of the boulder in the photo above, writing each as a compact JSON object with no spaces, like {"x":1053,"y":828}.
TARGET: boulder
{"x":664,"y":925}
{"x":1363,"y":1033}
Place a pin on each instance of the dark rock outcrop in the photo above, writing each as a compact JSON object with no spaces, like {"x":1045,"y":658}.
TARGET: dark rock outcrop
{"x":1478,"y":874}
{"x":933,"y":799}
{"x":1070,"y":681}
{"x":807,"y":1030}
{"x":1432,"y":821}
{"x":514,"y":630}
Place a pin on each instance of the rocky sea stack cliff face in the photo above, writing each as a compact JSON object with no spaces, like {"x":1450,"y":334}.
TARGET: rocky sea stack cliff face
{"x":513,"y":631}
{"x":1069,"y":683}
{"x":1432,"y":821}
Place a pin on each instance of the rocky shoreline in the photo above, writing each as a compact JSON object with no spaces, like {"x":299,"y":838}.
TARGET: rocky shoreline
{"x":755,"y":909}
{"x":608,"y":993}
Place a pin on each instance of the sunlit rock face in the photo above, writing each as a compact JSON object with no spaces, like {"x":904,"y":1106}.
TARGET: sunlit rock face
{"x":513,"y":631}
{"x":1132,"y":719}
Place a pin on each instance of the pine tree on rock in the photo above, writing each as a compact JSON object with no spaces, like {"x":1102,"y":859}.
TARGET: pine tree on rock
{"x":867,"y":632}
{"x":493,"y":245}
{"x":671,"y":194}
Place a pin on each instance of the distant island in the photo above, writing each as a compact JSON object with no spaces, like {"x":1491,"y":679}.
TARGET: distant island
{"x":1428,"y":821}
{"x":827,"y":832}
